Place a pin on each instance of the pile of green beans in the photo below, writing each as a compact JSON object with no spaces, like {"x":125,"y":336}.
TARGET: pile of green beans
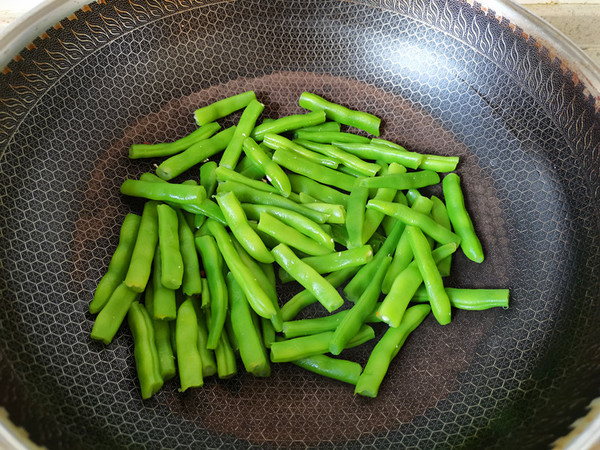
{"x":337,"y":213}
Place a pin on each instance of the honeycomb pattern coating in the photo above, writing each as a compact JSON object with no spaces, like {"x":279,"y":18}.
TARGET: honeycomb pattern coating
{"x":490,"y":379}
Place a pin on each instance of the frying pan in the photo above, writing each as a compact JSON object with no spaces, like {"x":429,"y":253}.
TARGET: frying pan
{"x":488,"y":83}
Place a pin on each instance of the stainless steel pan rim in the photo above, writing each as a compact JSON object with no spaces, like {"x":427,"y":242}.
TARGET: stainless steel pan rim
{"x":25,"y":29}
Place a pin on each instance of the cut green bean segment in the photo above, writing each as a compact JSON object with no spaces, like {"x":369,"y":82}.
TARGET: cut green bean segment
{"x":468,"y":299}
{"x":403,"y":254}
{"x":208,"y":177}
{"x":357,"y":315}
{"x":223,"y":107}
{"x":207,"y":356}
{"x":137,"y":151}
{"x":386,"y":349}
{"x":411,"y":180}
{"x":181,"y":195}
{"x":212,"y":262}
{"x":259,"y":300}
{"x":304,"y":298}
{"x":325,"y":194}
{"x":277,"y":142}
{"x":119,"y":263}
{"x":165,"y":303}
{"x":140,"y":265}
{"x":110,"y":318}
{"x":298,"y":164}
{"x":326,"y":126}
{"x":144,"y":350}
{"x":162,"y":338}
{"x":338,"y":369}
{"x":288,"y":123}
{"x":197,"y":153}
{"x":168,"y":241}
{"x":303,"y":224}
{"x":315,"y":344}
{"x":335,"y":213}
{"x":463,"y":225}
{"x":439,"y":163}
{"x":356,"y":214}
{"x":409,"y":217}
{"x":246,"y":194}
{"x":440,"y":215}
{"x":329,"y":137}
{"x":191,"y":283}
{"x":243,"y":129}
{"x":252,"y":350}
{"x":225,"y":356}
{"x":225,"y":174}
{"x":285,"y":234}
{"x":405,"y":285}
{"x":338,"y":113}
{"x":381,"y":153}
{"x":275,"y":174}
{"x":308,"y":277}
{"x":188,"y":357}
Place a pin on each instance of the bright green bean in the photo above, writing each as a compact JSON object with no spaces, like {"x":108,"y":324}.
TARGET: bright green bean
{"x":275,"y":174}
{"x":168,"y":241}
{"x":308,"y":277}
{"x":335,"y":213}
{"x":225,"y":174}
{"x":386,"y":154}
{"x":137,"y":151}
{"x":355,"y":218}
{"x":165,"y":304}
{"x":119,"y":263}
{"x":188,"y":357}
{"x":326,"y":126}
{"x":276,"y":142}
{"x":440,"y":215}
{"x":290,"y":236}
{"x":338,"y":369}
{"x":140,"y":265}
{"x":109,"y":319}
{"x":403,"y":181}
{"x":184,"y":196}
{"x":244,"y":128}
{"x":197,"y":153}
{"x":461,"y":221}
{"x":223,"y":107}
{"x":192,"y":283}
{"x":468,"y":299}
{"x":317,"y":190}
{"x":209,"y":365}
{"x":251,"y":170}
{"x":338,"y":113}
{"x":386,"y":349}
{"x":329,"y":137}
{"x":288,"y":123}
{"x":439,"y":163}
{"x":268,"y":332}
{"x":162,"y":338}
{"x":208,"y":177}
{"x":388,"y":221}
{"x":225,"y":356}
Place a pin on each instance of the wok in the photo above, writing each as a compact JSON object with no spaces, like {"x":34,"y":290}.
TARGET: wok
{"x":488,"y":83}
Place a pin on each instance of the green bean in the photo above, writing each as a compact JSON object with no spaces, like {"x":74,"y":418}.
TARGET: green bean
{"x":137,"y":151}
{"x":259,"y":300}
{"x":388,"y":221}
{"x":225,"y":356}
{"x":223,"y":107}
{"x":410,"y":217}
{"x":119,"y":263}
{"x":285,"y":234}
{"x":315,"y":344}
{"x":302,"y":166}
{"x":460,"y":219}
{"x":329,"y":137}
{"x":356,"y":214}
{"x":362,"y":168}
{"x":383,"y":153}
{"x":144,"y":351}
{"x":238,"y":223}
{"x":339,"y":234}
{"x":308,"y":277}
{"x":177,"y":164}
{"x":209,"y":365}
{"x":357,"y":315}
{"x":168,"y":241}
{"x":251,"y":170}
{"x":439,"y":163}
{"x":374,"y":218}
{"x":212,"y":262}
{"x":338,"y":369}
{"x":109,"y":319}
{"x":276,"y":142}
{"x":304,"y":298}
{"x":358,"y":284}
{"x":165,"y":305}
{"x":269,"y":240}
{"x":317,"y":190}
{"x":225,"y":174}
{"x":468,"y":299}
{"x":268,"y":332}
{"x":244,"y":127}
{"x":386,"y":349}
{"x":184,"y":196}
{"x":162,"y":338}
{"x":335,"y":213}
{"x":440,"y":215}
{"x":405,"y":285}
{"x":403,"y":254}
{"x":188,"y":357}
{"x":208,"y":177}
{"x":358,"y":119}
{"x":275,"y":174}
{"x":288,"y":123}
{"x":325,"y":126}
{"x":140,"y":265}
{"x":402,"y":181}
{"x":252,"y":350}
{"x":248,"y":195}
{"x":192,"y":283}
